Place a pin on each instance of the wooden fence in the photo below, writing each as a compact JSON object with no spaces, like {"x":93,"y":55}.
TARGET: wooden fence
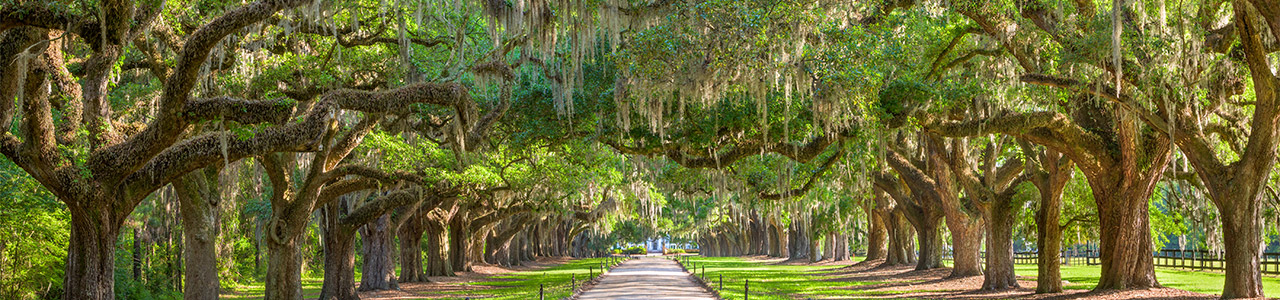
{"x":1067,"y":257}
{"x":1172,"y":258}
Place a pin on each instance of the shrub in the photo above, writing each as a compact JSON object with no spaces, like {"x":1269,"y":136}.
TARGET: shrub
{"x":691,"y":251}
{"x":631,"y":250}
{"x":674,"y":251}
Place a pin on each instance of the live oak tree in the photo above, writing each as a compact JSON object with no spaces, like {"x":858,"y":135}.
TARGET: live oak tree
{"x":990,"y":182}
{"x":1049,"y":172}
{"x":921,"y":212}
{"x":114,"y":165}
{"x":1143,"y":86}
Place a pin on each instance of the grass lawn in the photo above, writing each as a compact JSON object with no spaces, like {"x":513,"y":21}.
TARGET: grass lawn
{"x":555,"y":281}
{"x":791,"y":282}
{"x":766,"y":281}
{"x":772,"y":281}
{"x":1085,"y":277}
{"x":520,"y":285}
{"x":310,"y":288}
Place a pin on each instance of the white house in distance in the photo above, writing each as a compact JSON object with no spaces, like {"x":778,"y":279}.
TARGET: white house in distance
{"x":658,"y":244}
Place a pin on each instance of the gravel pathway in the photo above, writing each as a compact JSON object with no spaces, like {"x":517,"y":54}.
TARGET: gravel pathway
{"x":647,"y":278}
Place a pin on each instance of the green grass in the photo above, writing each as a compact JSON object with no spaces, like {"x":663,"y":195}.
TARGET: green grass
{"x":1085,"y":277}
{"x":792,"y":282}
{"x":520,"y":285}
{"x":556,"y":281}
{"x":772,"y":281}
{"x":310,"y":289}
{"x":767,"y":281}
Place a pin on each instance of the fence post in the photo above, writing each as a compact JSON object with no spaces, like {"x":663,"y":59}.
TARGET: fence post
{"x":592,"y":273}
{"x":573,"y":283}
{"x":746,"y":289}
{"x":721,"y":282}
{"x":540,"y":290}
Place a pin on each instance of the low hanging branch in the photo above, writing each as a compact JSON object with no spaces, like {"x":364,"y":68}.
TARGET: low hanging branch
{"x":203,"y":150}
{"x":802,"y":153}
{"x":800,"y":191}
{"x":117,"y":161}
{"x":1101,"y":91}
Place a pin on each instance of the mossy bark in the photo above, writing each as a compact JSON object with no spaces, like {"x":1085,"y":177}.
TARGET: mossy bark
{"x":410,"y":235}
{"x":377,"y":248}
{"x":198,"y":198}
{"x":437,"y":256}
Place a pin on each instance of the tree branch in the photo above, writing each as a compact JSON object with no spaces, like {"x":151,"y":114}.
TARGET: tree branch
{"x":372,"y":210}
{"x":1102,"y":91}
{"x":239,"y":110}
{"x":801,"y":153}
{"x":808,"y":184}
{"x":129,"y":156}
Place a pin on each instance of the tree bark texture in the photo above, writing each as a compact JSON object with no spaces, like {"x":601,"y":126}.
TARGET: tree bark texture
{"x":902,"y":236}
{"x":198,"y":198}
{"x":437,"y":257}
{"x":410,"y":235}
{"x":339,"y":256}
{"x":377,"y":248}
{"x":999,"y":274}
{"x":877,"y":234}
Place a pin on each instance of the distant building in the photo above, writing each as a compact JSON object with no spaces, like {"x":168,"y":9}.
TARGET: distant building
{"x":656,"y":245}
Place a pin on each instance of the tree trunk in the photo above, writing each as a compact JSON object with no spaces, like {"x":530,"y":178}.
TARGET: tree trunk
{"x":411,"y":250}
{"x":798,"y":241}
{"x":1049,"y":243}
{"x":758,"y":239}
{"x":339,"y":258}
{"x":437,"y":259}
{"x":999,"y":274}
{"x":1051,"y":179}
{"x":839,"y":247}
{"x":1243,"y":228}
{"x":966,"y":243}
{"x":378,"y":271}
{"x":730,"y":245}
{"x":1125,"y":238}
{"x":284,"y":270}
{"x":459,"y":239}
{"x":198,"y":198}
{"x":137,"y":257}
{"x":775,"y":241}
{"x":815,"y":248}
{"x":90,"y":271}
{"x":877,"y":235}
{"x":901,"y":240}
{"x":929,"y":240}
{"x":475,"y":245}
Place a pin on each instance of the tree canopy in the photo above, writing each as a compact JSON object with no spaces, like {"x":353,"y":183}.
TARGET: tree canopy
{"x":157,"y":146}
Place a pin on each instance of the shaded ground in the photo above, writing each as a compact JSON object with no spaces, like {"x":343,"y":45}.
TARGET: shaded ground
{"x":770,"y":278}
{"x":451,"y":287}
{"x":774,"y":278}
{"x":898,"y":282}
{"x":646,"y":278}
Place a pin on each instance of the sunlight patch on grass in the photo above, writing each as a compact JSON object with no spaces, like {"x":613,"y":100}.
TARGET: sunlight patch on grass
{"x":1085,"y":277}
{"x":765,"y":281}
{"x":310,"y":288}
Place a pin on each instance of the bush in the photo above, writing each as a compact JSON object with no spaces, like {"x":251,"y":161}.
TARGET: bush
{"x":695,"y":251}
{"x":674,"y":251}
{"x":617,"y":251}
{"x":632,"y":250}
